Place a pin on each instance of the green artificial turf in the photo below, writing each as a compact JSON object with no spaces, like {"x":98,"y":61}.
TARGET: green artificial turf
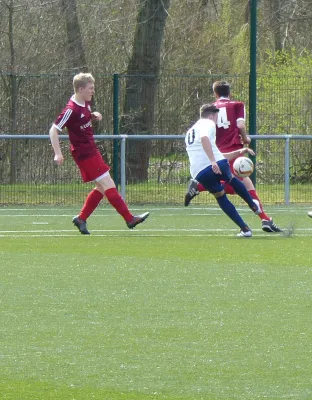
{"x":177,"y":309}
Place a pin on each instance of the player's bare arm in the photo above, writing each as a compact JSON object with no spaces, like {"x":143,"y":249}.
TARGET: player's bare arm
{"x":96,"y":116}
{"x":58,"y":156}
{"x":242,"y":132}
{"x":240,"y":152}
{"x":208,"y":150}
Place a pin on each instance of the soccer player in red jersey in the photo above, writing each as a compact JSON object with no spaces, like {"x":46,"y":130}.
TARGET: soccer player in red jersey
{"x":77,"y":117}
{"x":230,"y":136}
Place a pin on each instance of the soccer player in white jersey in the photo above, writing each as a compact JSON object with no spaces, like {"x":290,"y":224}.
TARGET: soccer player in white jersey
{"x":209,"y":166}
{"x":231,"y":135}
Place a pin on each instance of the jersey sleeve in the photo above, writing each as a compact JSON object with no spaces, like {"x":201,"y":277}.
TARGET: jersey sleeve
{"x":240,"y":111}
{"x":63,"y":119}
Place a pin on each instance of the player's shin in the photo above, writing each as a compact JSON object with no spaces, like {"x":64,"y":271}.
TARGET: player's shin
{"x":241,"y":190}
{"x":229,"y":209}
{"x":262,"y":215}
{"x":118,"y":203}
{"x":92,"y":201}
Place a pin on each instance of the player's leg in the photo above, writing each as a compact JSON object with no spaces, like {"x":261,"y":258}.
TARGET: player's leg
{"x":90,"y":168}
{"x":237,"y":185}
{"x":267,"y":222}
{"x":194,"y":188}
{"x":92,"y":201}
{"x":242,"y":192}
{"x":252,"y":191}
{"x":95,"y":169}
{"x":229,"y":209}
{"x":228,"y":188}
{"x":211,"y":182}
{"x":106,"y":186}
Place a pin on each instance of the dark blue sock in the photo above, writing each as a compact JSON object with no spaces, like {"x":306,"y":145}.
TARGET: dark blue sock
{"x":230,"y":210}
{"x":241,"y":190}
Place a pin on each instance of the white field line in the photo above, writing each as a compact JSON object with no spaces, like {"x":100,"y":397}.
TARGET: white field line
{"x":183,"y":213}
{"x":125,"y":230}
{"x":172,"y":230}
{"x":230,"y":232}
{"x":141,"y":232}
{"x":261,"y":235}
{"x":145,"y":236}
{"x":97,"y":215}
{"x":276,"y":208}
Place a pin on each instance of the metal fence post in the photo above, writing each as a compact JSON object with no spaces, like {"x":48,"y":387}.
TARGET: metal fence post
{"x":123,"y":166}
{"x":115,"y":127}
{"x":287,"y":174}
{"x":253,"y":81}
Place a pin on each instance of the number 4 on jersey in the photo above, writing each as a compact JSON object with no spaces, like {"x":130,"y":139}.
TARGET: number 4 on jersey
{"x":223,"y":121}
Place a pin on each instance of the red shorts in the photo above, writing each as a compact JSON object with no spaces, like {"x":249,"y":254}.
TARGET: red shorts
{"x":92,"y":167}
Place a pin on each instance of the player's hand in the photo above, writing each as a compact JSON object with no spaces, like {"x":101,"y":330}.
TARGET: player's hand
{"x":247,"y":150}
{"x":245,"y":141}
{"x":215,"y":168}
{"x":58,"y":159}
{"x":96,"y":116}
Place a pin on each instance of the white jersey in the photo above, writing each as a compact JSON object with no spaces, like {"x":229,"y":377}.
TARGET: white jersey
{"x":197,"y":155}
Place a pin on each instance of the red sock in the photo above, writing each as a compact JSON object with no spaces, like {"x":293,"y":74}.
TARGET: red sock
{"x":254,"y":196}
{"x":200,"y":187}
{"x":118,"y":203}
{"x":92,"y":201}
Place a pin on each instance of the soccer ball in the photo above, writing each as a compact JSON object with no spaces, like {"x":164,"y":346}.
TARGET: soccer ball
{"x":243,"y":166}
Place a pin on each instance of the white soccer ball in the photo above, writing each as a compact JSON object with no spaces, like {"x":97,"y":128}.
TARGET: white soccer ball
{"x":243,"y":166}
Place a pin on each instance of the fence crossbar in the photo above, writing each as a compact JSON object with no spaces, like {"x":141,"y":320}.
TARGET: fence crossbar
{"x":124,"y":138}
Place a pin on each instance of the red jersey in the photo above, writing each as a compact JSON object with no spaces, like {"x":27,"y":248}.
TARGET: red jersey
{"x":227,"y":135}
{"x":76,"y":118}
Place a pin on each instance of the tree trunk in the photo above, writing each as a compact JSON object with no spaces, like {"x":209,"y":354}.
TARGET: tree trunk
{"x":76,"y":59}
{"x":275,"y":22}
{"x":13,"y":94}
{"x":141,"y":84}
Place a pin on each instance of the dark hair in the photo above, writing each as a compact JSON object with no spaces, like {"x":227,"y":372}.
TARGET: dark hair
{"x":207,"y":109}
{"x":221,"y":88}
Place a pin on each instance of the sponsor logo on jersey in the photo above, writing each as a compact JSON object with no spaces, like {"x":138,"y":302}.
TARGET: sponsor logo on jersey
{"x":85,"y":126}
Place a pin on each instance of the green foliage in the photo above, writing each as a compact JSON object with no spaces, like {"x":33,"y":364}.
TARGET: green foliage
{"x":284,"y":94}
{"x":284,"y":106}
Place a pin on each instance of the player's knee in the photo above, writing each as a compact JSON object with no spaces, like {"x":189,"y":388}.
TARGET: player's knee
{"x":219,"y":194}
{"x":105,"y":183}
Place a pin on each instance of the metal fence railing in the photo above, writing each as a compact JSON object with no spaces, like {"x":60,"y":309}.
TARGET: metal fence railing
{"x":151,"y":169}
{"x":156,"y":169}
